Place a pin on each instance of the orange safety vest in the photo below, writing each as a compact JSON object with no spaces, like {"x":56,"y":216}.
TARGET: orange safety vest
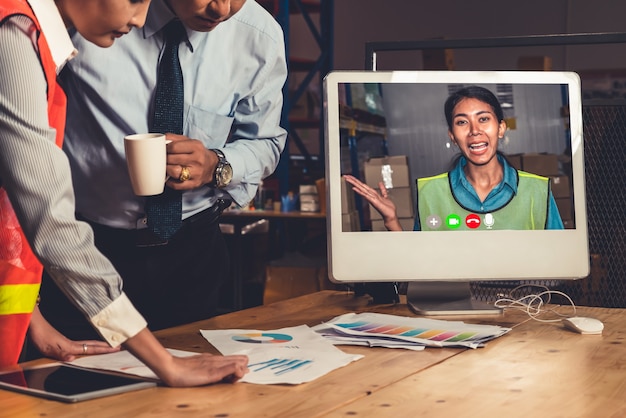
{"x":20,"y":270}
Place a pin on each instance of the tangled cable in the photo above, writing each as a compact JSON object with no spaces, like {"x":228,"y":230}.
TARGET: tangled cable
{"x":534,"y":304}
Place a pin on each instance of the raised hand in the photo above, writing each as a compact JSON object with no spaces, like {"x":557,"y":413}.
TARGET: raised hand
{"x":379,"y":200}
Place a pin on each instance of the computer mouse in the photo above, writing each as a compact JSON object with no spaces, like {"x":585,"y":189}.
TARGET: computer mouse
{"x":584,"y":325}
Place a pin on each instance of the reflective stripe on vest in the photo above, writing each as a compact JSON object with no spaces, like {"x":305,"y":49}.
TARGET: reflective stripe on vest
{"x":18,"y":298}
{"x":528,"y":209}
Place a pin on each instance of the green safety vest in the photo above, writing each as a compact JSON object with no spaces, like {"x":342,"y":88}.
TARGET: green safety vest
{"x":528,"y":209}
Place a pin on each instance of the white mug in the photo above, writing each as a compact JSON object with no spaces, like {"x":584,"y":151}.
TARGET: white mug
{"x":146,"y":157}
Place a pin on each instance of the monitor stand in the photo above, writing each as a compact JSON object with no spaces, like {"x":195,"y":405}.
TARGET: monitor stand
{"x":445,"y":298}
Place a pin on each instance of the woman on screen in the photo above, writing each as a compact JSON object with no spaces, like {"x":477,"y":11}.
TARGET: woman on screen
{"x":482,"y":191}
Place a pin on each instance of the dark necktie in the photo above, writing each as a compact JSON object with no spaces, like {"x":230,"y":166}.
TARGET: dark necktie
{"x":165,"y":210}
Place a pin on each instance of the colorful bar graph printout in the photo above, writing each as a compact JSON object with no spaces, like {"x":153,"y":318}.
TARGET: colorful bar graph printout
{"x":429,"y":332}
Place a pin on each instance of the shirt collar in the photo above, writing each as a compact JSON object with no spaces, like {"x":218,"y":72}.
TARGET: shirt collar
{"x":52,"y":25}
{"x":457,"y":175}
{"x":159,"y":15}
{"x":510,"y":174}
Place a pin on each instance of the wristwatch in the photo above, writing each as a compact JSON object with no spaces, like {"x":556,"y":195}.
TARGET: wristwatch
{"x":223,"y":171}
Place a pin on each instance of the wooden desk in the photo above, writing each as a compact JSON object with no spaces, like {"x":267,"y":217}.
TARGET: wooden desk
{"x":240,"y":218}
{"x":537,"y":369}
{"x":232,"y":215}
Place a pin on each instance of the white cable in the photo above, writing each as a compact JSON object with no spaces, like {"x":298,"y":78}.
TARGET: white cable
{"x":533,"y":304}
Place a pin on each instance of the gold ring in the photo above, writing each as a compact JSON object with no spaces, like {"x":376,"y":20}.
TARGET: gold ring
{"x":84,"y":348}
{"x":184,"y":174}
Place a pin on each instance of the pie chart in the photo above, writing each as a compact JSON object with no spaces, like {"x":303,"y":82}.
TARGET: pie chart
{"x":262,"y":338}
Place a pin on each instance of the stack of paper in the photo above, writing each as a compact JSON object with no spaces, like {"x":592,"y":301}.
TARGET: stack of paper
{"x":288,"y":355}
{"x":393,"y":331}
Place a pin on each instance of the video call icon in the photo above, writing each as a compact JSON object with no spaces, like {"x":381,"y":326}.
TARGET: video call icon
{"x":453,"y":221}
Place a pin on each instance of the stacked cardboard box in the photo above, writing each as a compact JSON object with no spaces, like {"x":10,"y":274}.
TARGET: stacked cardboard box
{"x":561,"y":190}
{"x":547,"y":165}
{"x":541,"y":164}
{"x":393,"y":172}
{"x":309,"y":199}
{"x":349,"y":214}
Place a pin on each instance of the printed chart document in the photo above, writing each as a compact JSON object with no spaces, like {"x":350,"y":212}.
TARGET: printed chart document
{"x":124,"y":362}
{"x":394,"y":331}
{"x":284,"y":356}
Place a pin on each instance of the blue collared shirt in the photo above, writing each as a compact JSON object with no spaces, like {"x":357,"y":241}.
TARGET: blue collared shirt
{"x":498,"y":197}
{"x":233,"y":79}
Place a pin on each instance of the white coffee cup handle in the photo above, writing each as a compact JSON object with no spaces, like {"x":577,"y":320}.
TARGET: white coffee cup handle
{"x":167,"y":141}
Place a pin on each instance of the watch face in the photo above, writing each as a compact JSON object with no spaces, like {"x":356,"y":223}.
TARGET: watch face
{"x":223,"y":170}
{"x":224,"y":174}
{"x":227,"y":174}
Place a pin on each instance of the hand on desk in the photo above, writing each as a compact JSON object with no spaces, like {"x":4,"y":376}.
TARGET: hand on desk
{"x":199,"y":370}
{"x":192,"y":154}
{"x":51,"y":343}
{"x":206,"y":368}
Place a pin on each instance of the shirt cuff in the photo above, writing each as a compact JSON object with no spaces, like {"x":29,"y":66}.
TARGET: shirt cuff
{"x":119,"y":321}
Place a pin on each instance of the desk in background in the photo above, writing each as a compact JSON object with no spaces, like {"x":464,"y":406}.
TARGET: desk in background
{"x":285,"y":231}
{"x":538,"y":369}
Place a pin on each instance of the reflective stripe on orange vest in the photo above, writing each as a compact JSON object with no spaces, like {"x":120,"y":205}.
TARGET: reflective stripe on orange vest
{"x":18,"y":298}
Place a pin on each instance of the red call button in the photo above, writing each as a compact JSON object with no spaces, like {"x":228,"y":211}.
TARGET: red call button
{"x":472,"y":221}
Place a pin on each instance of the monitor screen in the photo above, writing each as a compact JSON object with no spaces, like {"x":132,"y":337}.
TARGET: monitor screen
{"x":484,"y":170}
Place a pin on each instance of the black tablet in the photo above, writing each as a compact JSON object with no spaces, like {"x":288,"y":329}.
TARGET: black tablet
{"x":67,"y":383}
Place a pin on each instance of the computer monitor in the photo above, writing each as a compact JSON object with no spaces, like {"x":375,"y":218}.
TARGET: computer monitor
{"x":402,"y":114}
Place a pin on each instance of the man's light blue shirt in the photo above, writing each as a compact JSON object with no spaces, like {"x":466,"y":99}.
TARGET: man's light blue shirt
{"x":233,"y":78}
{"x":497,"y":198}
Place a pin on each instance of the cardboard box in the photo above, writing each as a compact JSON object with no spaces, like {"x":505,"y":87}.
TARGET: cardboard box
{"x":565,"y":207}
{"x":560,"y":186}
{"x":307,"y":189}
{"x":406,"y":223}
{"x":321,"y":193}
{"x":347,"y":197}
{"x":515,"y":160}
{"x":350,"y":222}
{"x":534,"y":63}
{"x":438,"y":59}
{"x":393,"y":171}
{"x":541,"y":164}
{"x":402,"y":197}
{"x":309,"y":206}
{"x":309,"y":200}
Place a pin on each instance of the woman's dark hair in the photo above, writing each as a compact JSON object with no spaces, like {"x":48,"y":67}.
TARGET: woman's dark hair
{"x":472,"y":92}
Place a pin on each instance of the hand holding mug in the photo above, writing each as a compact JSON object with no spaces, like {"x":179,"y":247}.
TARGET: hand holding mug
{"x":146,"y":157}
